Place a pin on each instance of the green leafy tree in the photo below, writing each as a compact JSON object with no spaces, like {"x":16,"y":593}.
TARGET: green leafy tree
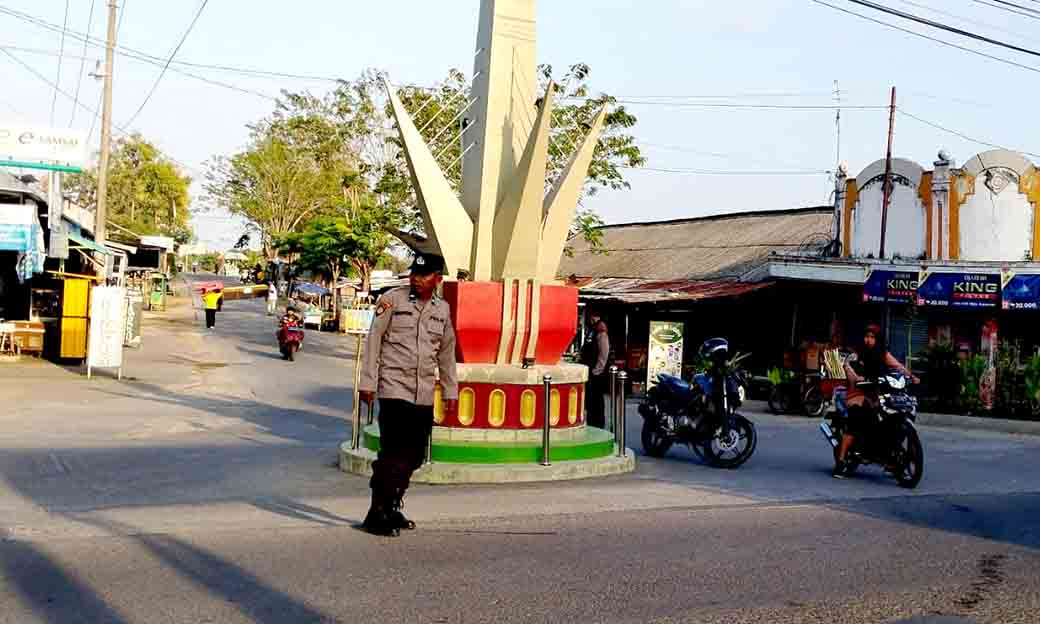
{"x":147,"y":194}
{"x":274,"y":184}
{"x":334,"y":246}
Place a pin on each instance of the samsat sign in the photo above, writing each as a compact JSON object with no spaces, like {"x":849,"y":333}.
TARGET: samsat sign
{"x":43,"y":145}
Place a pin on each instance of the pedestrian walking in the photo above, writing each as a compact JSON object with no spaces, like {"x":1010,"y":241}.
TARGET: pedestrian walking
{"x":272,"y":299}
{"x":594,"y":354}
{"x":212,"y":299}
{"x":411,"y":343}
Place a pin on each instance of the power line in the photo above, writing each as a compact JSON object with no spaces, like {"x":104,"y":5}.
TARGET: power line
{"x":744,"y":106}
{"x":54,"y":100}
{"x":210,"y":81}
{"x":722,"y":172}
{"x":1026,"y":12}
{"x":131,"y":52}
{"x":959,"y":134}
{"x":173,"y":54}
{"x":966,"y":20}
{"x":94,"y":111}
{"x":933,"y":39}
{"x":83,"y":60}
{"x":939,"y":25}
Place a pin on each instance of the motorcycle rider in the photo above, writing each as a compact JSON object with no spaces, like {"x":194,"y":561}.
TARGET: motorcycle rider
{"x":873,"y":361}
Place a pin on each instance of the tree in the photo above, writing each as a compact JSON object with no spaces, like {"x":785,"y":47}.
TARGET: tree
{"x":332,"y":246}
{"x":147,"y":194}
{"x":274,"y":184}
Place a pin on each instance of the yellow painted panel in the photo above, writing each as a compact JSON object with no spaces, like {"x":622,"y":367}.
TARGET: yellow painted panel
{"x":554,"y":407}
{"x":851,"y":197}
{"x":76,"y":297}
{"x":573,"y":407}
{"x":497,"y":408}
{"x":467,"y":405}
{"x":528,"y":408}
{"x":74,"y":338}
{"x":438,"y":404}
{"x":926,"y":198}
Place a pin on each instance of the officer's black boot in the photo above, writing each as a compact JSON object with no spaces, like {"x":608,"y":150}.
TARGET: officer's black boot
{"x":397,"y":518}
{"x":377,"y":521}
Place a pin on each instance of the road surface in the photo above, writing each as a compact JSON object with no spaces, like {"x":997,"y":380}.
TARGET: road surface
{"x":204,"y":489}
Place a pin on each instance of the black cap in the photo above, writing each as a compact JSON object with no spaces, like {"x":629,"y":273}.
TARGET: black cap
{"x":427,"y":263}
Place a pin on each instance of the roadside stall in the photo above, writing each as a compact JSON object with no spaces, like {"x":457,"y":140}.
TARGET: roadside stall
{"x":313,"y":301}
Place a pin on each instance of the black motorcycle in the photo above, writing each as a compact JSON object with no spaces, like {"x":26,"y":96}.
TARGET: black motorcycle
{"x":702,"y":414}
{"x":893,"y":441}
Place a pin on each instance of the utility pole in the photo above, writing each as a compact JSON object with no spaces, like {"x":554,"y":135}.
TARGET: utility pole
{"x":837,"y":125}
{"x":106,"y":129}
{"x":888,"y":173}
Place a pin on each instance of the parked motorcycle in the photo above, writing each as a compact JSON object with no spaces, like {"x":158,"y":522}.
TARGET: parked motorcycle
{"x":290,"y":337}
{"x":892,"y":441}
{"x":702,"y":414}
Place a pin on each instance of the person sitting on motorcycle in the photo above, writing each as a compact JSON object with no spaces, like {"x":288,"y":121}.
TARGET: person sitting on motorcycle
{"x":292,"y":316}
{"x":868,"y":363}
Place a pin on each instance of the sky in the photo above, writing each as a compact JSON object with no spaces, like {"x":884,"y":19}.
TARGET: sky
{"x":703,"y":77}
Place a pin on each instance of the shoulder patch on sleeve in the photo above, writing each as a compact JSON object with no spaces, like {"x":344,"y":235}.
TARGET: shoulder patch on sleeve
{"x":383,"y":306}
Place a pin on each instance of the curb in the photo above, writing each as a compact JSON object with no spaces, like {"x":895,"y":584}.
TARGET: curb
{"x":976,"y":423}
{"x":359,"y":462}
{"x":943,"y":421}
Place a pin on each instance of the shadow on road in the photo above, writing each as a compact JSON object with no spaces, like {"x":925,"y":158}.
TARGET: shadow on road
{"x":253,"y":597}
{"x":54,"y":594}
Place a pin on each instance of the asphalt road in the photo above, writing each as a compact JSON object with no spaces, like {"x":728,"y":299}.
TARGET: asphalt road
{"x":204,"y":489}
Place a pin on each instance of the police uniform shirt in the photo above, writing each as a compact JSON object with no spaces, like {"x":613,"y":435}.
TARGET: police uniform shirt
{"x":409,"y":344}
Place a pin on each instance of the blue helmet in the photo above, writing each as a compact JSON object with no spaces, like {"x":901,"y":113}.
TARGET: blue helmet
{"x":715,"y":350}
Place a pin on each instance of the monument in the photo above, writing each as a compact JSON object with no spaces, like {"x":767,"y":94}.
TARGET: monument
{"x":506,"y":235}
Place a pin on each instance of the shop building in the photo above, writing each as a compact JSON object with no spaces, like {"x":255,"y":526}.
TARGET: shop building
{"x":959,"y":264}
{"x":48,"y":263}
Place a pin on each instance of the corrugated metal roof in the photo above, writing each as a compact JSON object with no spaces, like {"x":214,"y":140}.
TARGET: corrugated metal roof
{"x":632,"y":291}
{"x":706,"y":248}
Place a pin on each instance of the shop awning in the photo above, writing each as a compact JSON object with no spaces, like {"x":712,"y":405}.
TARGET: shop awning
{"x":76,"y":236}
{"x":636,"y":291}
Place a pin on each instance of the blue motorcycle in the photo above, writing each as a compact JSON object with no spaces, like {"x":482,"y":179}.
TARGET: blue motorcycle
{"x":702,"y":414}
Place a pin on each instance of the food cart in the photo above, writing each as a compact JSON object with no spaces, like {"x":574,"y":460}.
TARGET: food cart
{"x":157,"y":292}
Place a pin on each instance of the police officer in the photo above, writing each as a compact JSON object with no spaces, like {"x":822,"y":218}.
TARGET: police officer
{"x":411,"y":342}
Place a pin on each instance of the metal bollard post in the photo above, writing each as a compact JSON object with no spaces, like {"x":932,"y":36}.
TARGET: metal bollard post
{"x":547,"y":385}
{"x":620,"y":424}
{"x":355,"y":438}
{"x":612,"y":421}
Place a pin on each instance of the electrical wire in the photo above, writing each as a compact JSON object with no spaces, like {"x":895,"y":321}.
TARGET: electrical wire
{"x":959,"y":134}
{"x":1032,"y":13}
{"x":131,"y":52}
{"x":722,"y":172}
{"x":940,"y":26}
{"x":966,"y":20}
{"x":94,"y":111}
{"x":83,"y":60}
{"x":64,"y":29}
{"x":933,"y":39}
{"x":173,"y":54}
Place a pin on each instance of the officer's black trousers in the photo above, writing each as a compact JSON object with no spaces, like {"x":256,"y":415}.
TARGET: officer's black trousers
{"x":595,"y":404}
{"x":404,"y":432}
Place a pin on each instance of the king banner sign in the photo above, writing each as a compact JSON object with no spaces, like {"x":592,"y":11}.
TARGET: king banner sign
{"x":959,"y":290}
{"x":890,"y":287}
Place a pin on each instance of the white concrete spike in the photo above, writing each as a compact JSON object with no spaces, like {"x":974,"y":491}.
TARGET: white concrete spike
{"x":562,"y":202}
{"x":449,"y":228}
{"x":518,"y":219}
